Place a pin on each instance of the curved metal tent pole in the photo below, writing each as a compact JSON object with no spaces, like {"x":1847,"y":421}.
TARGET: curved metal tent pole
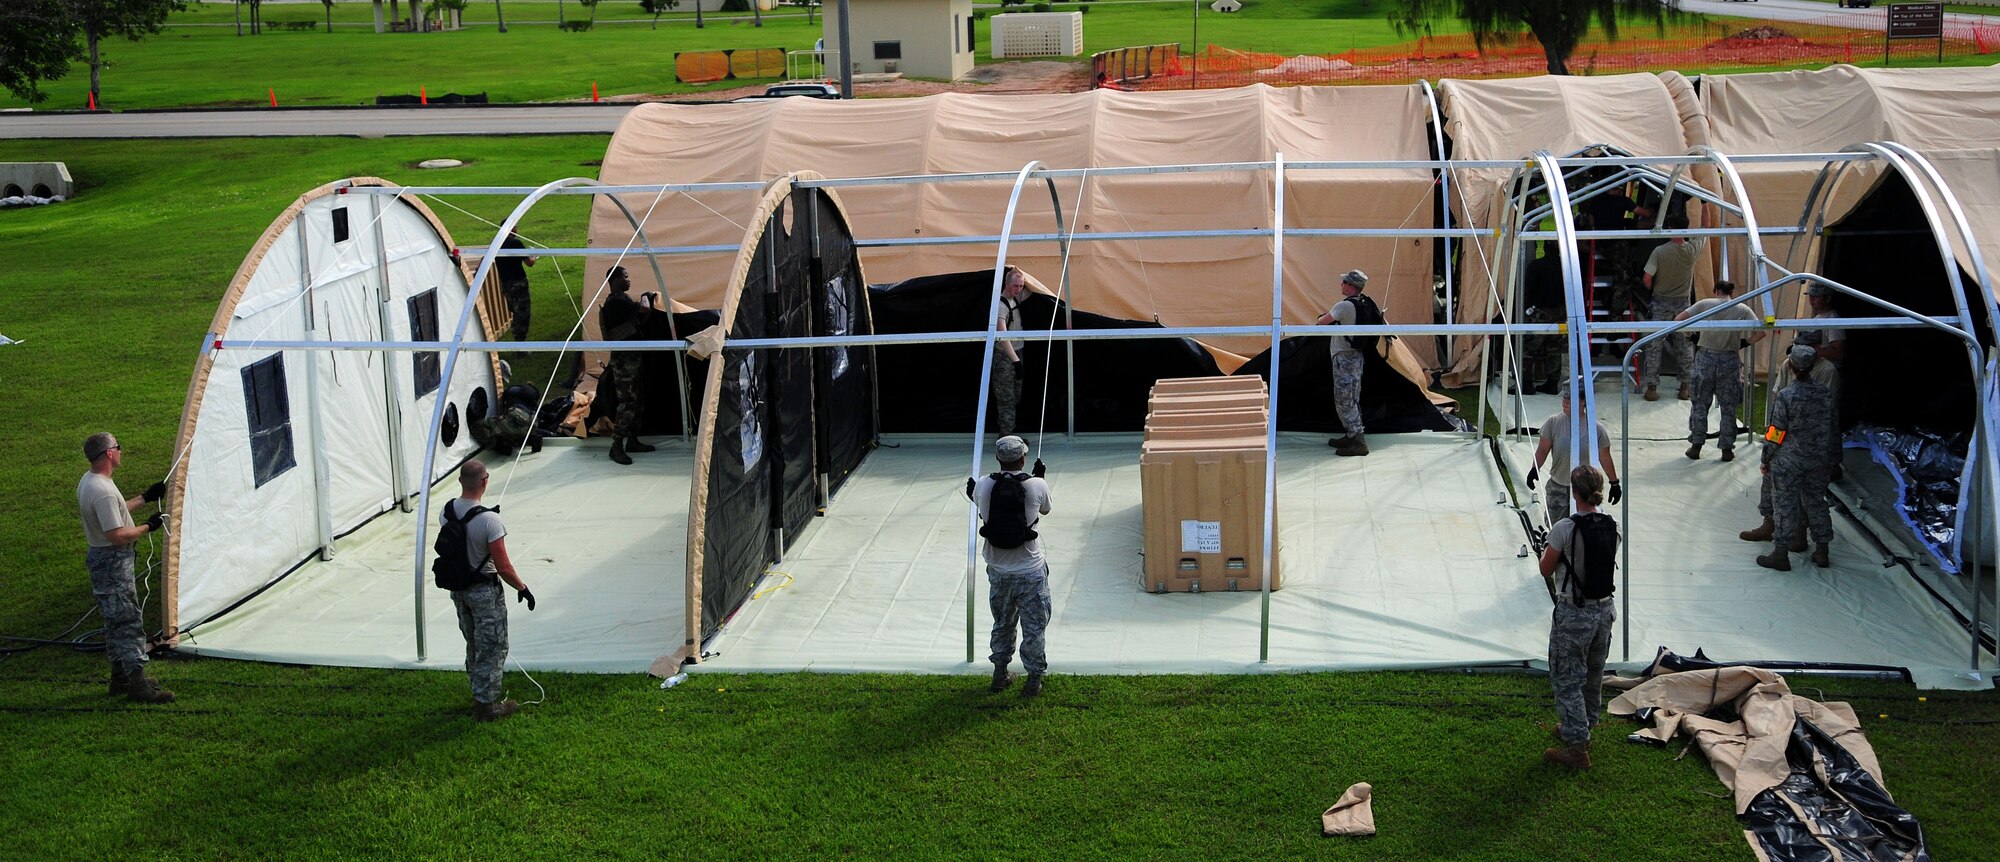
{"x":979,"y":415}
{"x":1576,"y":312}
{"x":1755,"y":247}
{"x":1913,"y":165}
{"x":444,"y":386}
{"x":1271,"y":425}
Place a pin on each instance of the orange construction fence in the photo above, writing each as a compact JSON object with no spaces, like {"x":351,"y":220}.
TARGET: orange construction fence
{"x":1698,"y":47}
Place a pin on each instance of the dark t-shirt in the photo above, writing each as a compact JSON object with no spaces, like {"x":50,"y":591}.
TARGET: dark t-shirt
{"x":1606,"y":211}
{"x":512,"y":269}
{"x":1543,"y":286}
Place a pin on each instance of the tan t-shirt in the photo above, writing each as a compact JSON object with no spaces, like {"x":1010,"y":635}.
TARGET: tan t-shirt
{"x":1555,"y":429}
{"x":1721,"y":340}
{"x":103,"y":509}
{"x":1672,"y":267}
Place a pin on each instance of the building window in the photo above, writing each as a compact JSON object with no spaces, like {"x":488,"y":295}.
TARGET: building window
{"x":339,"y":224}
{"x":889,"y":50}
{"x":270,"y":415}
{"x":957,"y":47}
{"x":424,"y":327}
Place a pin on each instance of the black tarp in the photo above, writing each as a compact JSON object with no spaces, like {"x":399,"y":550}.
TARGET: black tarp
{"x":783,"y":416}
{"x":935,"y":387}
{"x":1899,"y":378}
{"x":1829,"y":809}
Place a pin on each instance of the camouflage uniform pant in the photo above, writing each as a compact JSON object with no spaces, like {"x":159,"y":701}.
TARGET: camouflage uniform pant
{"x":1023,"y":601}
{"x":1718,"y":375}
{"x":1665,"y":309}
{"x":118,"y":602}
{"x":517,"y":303}
{"x":482,"y":618}
{"x":1347,"y":391}
{"x":624,"y":372}
{"x":1542,"y":355}
{"x":1006,"y":394}
{"x":1579,"y":639}
{"x":1555,"y":501}
{"x":504,"y":434}
{"x":1807,"y":486}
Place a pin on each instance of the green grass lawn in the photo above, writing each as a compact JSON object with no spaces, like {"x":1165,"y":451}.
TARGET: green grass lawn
{"x":112,"y":292}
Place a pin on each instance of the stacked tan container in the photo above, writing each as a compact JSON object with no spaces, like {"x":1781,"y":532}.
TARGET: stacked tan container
{"x":1201,"y":475}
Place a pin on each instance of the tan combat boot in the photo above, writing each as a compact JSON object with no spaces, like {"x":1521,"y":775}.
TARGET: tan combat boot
{"x":1356,"y":445}
{"x":1001,"y":678}
{"x":1574,"y":756}
{"x":1762,"y":533}
{"x":1776,"y":559}
{"x":1686,"y":394}
{"x":1652,"y":393}
{"x":1821,"y":557}
{"x":495,"y":711}
{"x":140,"y":688}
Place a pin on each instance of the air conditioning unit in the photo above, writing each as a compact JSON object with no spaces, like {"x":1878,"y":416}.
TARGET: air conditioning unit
{"x":889,"y":65}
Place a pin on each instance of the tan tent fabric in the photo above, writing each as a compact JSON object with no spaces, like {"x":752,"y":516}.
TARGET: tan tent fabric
{"x":1510,"y":119}
{"x":1353,"y":815}
{"x":1748,"y":754}
{"x":1950,"y":115}
{"x":1224,"y":281}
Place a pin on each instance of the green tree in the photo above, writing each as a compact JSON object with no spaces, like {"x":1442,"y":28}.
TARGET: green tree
{"x":500,"y":15}
{"x":329,"y":14}
{"x":37,"y":42}
{"x":592,"y":6}
{"x":658,"y":6}
{"x":1557,"y":24}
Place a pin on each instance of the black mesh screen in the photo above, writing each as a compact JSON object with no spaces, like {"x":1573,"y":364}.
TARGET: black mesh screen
{"x":843,"y":387}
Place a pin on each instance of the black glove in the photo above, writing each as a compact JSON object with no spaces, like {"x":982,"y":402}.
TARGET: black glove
{"x":154,"y":492}
{"x":1617,"y":491}
{"x":156,"y":523}
{"x":1041,"y":469}
{"x":970,"y":486}
{"x":1534,"y":473}
{"x":525,"y":596}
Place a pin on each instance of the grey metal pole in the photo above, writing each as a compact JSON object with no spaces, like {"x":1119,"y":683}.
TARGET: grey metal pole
{"x":315,"y":426}
{"x":1271,"y":423}
{"x":846,"y":46}
{"x":1069,"y":319}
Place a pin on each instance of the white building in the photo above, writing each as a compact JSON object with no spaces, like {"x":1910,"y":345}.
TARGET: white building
{"x":922,"y":38}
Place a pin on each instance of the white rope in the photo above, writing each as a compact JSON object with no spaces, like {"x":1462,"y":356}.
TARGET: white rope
{"x":1049,"y":351}
{"x":556,"y":262}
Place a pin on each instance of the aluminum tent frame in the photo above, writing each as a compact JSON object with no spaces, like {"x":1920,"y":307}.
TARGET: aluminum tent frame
{"x":1541,"y":173}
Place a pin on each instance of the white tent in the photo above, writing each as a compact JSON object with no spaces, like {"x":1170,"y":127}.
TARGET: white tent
{"x":282,"y":452}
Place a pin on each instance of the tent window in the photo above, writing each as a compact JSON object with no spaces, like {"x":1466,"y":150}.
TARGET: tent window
{"x":839,"y":319}
{"x":270,"y":415}
{"x":889,"y":50}
{"x":424,"y":327}
{"x":339,"y":224}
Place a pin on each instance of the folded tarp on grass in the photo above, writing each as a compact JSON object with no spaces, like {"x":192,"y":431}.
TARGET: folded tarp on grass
{"x":1806,"y":782}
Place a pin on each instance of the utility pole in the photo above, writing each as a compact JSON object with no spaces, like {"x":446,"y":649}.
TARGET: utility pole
{"x":846,"y":44}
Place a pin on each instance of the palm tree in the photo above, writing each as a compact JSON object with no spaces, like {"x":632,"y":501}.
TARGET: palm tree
{"x":1557,"y":24}
{"x":497,"y":13}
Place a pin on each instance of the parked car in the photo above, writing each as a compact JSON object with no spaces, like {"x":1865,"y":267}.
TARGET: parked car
{"x":1856,"y":4}
{"x":810,"y":91}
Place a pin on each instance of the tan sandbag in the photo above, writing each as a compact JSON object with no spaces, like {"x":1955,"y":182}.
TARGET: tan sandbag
{"x":1354,"y":814}
{"x":579,"y":410}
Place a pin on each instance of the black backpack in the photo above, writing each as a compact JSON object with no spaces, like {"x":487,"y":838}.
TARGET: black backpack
{"x":450,"y":569}
{"x":1366,"y":313}
{"x":1007,"y":523}
{"x":1599,"y":535}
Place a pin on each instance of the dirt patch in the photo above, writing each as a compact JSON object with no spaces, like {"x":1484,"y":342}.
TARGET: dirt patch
{"x":1032,"y":76}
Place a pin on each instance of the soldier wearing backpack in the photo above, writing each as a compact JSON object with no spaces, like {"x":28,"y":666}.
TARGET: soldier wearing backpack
{"x":1579,"y":565}
{"x":1356,"y":310}
{"x":1010,"y":503}
{"x":471,"y":562}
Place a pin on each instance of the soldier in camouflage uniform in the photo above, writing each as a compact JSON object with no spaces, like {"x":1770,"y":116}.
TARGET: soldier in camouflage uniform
{"x":482,"y":607}
{"x":1579,"y":629}
{"x":108,"y":527}
{"x":1796,"y":457}
{"x":1718,"y":370}
{"x":1348,"y":363}
{"x":1018,"y":578}
{"x":513,"y":274}
{"x":1542,"y":291}
{"x":621,"y":319}
{"x":1007,"y":365}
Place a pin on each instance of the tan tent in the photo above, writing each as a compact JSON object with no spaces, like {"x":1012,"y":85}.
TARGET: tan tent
{"x":1640,"y":114}
{"x":1219,"y":281}
{"x":1950,"y":115}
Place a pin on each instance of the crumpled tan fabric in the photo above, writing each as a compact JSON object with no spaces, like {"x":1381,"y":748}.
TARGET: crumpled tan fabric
{"x":1748,"y":755}
{"x":705,"y":343}
{"x":1354,"y":814}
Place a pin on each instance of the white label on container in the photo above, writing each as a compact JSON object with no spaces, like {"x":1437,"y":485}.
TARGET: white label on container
{"x":1201,"y":537}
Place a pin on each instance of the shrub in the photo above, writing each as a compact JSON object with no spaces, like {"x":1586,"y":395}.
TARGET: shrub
{"x":735,"y":5}
{"x":575,"y":25}
{"x":1040,"y":7}
{"x":978,"y":14}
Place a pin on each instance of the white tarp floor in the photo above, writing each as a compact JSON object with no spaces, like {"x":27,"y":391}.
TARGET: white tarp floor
{"x":1695,"y":585}
{"x":602,"y":546}
{"x":1401,"y":559}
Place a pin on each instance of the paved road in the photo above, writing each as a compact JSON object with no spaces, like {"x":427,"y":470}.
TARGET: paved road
{"x":365,"y":122}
